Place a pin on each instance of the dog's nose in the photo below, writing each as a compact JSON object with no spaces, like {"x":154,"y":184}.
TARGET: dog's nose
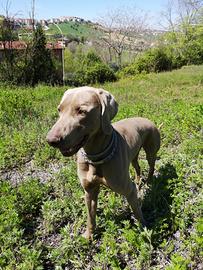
{"x":53,"y":140}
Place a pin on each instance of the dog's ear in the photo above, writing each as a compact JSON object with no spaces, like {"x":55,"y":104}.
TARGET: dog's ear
{"x":109,"y":108}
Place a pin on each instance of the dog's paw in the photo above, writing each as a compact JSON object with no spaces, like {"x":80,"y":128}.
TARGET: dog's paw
{"x":88,"y":235}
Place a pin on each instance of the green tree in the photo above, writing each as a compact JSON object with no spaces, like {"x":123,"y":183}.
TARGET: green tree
{"x":39,"y":64}
{"x":7,"y":36}
{"x":84,"y":68}
{"x":93,"y":70}
{"x":184,"y":40}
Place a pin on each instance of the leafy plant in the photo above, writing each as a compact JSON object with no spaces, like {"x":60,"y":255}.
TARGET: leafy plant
{"x":42,"y":208}
{"x":90,"y":69}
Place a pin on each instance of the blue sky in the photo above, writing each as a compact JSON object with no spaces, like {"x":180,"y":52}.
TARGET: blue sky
{"x":87,"y":9}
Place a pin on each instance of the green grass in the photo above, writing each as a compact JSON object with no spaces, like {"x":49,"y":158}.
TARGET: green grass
{"x":42,"y":218}
{"x":69,"y":29}
{"x":74,"y":29}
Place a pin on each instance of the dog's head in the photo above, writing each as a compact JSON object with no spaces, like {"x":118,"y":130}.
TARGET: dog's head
{"x":82,"y":113}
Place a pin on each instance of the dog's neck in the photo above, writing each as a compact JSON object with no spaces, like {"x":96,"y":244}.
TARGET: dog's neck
{"x":98,"y":142}
{"x":100,"y":148}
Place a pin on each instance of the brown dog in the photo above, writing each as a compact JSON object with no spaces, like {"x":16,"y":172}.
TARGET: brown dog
{"x":104,"y":151}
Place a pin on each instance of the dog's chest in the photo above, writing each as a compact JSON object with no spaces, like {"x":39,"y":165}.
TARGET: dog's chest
{"x":89,"y":174}
{"x":94,"y":173}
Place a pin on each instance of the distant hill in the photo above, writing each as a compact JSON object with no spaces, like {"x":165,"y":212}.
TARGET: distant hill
{"x":74,"y":29}
{"x":79,"y":30}
{"x":88,"y":31}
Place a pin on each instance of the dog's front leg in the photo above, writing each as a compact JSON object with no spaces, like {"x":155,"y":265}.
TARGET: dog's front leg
{"x":91,"y":196}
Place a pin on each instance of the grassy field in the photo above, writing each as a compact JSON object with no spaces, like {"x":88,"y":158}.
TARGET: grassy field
{"x":74,"y":29}
{"x":42,"y":211}
{"x":69,"y":29}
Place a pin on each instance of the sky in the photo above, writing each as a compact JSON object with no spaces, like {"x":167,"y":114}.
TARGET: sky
{"x":87,"y":9}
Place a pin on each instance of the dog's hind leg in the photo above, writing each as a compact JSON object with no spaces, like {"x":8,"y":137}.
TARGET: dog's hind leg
{"x":151,"y":161}
{"x":151,"y":147}
{"x":124,"y":186}
{"x":134,"y":202}
{"x":136,"y":166}
{"x":151,"y":158}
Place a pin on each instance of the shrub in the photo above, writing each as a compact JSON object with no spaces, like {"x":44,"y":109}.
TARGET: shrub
{"x":153,"y":60}
{"x":185,"y":47}
{"x":187,"y":53}
{"x":30,"y":197}
{"x":192,"y":53}
{"x":177,"y":53}
{"x":91,"y":58}
{"x":90,"y":69}
{"x":97,"y":73}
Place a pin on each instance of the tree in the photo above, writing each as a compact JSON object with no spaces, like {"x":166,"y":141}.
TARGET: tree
{"x":7,"y":36}
{"x":39,"y":64}
{"x":185,"y":31}
{"x":180,"y":15}
{"x":121,"y":29}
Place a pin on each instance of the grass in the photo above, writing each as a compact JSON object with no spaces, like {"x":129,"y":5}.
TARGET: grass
{"x":74,"y":29}
{"x":42,"y":211}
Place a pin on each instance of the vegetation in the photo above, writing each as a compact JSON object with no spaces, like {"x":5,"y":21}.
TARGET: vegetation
{"x":181,"y":45}
{"x":87,"y":68}
{"x":74,"y":30}
{"x":30,"y":65}
{"x":39,"y":66}
{"x":180,"y":50}
{"x":42,"y":211}
{"x":9,"y":66}
{"x":153,"y":60}
{"x":35,"y":64}
{"x":96,"y":52}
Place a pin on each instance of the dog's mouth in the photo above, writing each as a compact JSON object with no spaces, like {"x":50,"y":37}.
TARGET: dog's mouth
{"x":67,"y":152}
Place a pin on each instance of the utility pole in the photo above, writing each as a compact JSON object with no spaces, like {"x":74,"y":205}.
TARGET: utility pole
{"x":63,"y":59}
{"x":33,"y":14}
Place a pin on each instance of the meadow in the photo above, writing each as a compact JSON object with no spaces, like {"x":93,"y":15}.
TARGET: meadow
{"x":42,"y":210}
{"x":74,"y":29}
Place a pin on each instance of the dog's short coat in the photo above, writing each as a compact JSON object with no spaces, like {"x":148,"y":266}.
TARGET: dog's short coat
{"x":104,"y":151}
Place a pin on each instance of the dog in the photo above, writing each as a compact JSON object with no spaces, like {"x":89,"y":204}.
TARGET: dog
{"x":104,"y":150}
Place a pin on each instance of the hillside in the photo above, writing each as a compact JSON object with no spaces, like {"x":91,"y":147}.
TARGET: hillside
{"x":89,"y":31}
{"x":42,"y":210}
{"x":74,"y":29}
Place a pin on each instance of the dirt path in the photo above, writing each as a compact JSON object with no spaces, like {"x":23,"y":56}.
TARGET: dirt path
{"x":30,"y":170}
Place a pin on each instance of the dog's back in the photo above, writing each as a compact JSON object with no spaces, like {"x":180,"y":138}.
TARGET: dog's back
{"x":139,"y":132}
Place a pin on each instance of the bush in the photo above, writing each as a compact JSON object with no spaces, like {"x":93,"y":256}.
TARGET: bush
{"x":153,"y":60}
{"x":185,"y":47}
{"x":97,"y":73}
{"x":190,"y":53}
{"x":180,"y":50}
{"x":90,"y":69}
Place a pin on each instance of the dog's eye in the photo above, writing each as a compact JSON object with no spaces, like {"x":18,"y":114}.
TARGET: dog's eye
{"x":81,"y":111}
{"x":59,"y":109}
